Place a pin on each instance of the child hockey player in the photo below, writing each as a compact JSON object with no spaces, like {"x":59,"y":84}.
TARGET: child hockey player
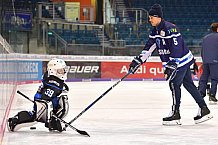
{"x":49,"y":92}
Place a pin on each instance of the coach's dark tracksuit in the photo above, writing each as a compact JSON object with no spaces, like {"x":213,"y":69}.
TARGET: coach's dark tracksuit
{"x":170,"y":46}
{"x":209,"y":54}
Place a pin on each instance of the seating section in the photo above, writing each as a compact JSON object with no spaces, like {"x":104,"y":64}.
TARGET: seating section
{"x":76,"y":36}
{"x":133,"y":34}
{"x":192,"y":17}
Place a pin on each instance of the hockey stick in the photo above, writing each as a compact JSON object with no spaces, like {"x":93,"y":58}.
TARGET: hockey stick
{"x":96,"y":100}
{"x":77,"y":130}
{"x":25,"y":96}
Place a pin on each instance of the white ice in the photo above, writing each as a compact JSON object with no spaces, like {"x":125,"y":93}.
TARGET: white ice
{"x":130,"y":114}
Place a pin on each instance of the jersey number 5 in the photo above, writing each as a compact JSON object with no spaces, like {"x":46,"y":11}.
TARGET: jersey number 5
{"x":49,"y":92}
{"x":175,"y":41}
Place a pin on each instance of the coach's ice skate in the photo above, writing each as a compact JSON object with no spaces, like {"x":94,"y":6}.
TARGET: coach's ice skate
{"x":203,"y":115}
{"x":212,"y":100}
{"x":173,"y":118}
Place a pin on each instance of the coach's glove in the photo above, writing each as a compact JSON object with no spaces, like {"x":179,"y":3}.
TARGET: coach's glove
{"x":136,"y":62}
{"x":170,"y":70}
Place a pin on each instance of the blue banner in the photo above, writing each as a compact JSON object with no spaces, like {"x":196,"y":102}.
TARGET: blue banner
{"x":20,"y":70}
{"x":19,"y":21}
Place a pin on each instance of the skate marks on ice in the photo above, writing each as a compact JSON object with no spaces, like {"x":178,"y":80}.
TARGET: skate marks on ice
{"x":131,"y":114}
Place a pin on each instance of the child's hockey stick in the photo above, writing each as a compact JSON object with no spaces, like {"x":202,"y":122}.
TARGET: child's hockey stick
{"x":61,"y":120}
{"x":97,"y":100}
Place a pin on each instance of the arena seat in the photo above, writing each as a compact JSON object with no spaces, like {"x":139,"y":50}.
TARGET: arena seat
{"x":193,"y":18}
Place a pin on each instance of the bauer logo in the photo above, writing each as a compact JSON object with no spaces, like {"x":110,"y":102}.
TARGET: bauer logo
{"x":84,"y":69}
{"x":81,"y":69}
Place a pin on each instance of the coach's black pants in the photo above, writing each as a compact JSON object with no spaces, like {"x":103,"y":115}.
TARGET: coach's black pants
{"x":183,"y":76}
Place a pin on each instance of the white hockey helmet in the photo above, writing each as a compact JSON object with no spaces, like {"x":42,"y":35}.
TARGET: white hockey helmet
{"x":58,"y":68}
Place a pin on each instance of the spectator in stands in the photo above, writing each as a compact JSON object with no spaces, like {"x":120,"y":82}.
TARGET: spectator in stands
{"x":176,"y":58}
{"x":209,"y":54}
{"x":77,"y":20}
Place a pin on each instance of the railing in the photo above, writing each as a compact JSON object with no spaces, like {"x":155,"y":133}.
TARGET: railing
{"x":56,"y":43}
{"x":118,"y":43}
{"x":128,"y":15}
{"x":5,"y":47}
{"x":60,"y":43}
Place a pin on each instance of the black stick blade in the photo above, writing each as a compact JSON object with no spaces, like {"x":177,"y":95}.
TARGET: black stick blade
{"x":83,"y":132}
{"x":77,"y":130}
{"x":74,"y":128}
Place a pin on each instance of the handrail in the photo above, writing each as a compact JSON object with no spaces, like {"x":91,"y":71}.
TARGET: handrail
{"x":68,"y":23}
{"x":59,"y":37}
{"x":144,"y":11}
{"x":5,"y":45}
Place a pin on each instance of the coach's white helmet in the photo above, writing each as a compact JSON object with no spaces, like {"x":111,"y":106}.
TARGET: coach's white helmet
{"x":58,"y":68}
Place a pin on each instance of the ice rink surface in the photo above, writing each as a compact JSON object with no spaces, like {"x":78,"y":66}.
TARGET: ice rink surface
{"x":130,"y":114}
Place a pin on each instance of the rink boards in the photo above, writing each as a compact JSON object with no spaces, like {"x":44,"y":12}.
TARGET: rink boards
{"x":25,"y":67}
{"x":18,"y":69}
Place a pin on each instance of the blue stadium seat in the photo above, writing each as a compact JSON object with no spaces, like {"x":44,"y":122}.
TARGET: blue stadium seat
{"x":193,"y":18}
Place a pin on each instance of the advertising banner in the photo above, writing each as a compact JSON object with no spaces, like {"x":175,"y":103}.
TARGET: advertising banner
{"x":80,"y":69}
{"x":72,"y":11}
{"x":148,"y":70}
{"x":105,"y":70}
{"x":84,"y":69}
{"x":29,"y":70}
{"x":20,"y":70}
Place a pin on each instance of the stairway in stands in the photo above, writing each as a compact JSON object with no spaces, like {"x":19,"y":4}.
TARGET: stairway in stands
{"x":121,"y":9}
